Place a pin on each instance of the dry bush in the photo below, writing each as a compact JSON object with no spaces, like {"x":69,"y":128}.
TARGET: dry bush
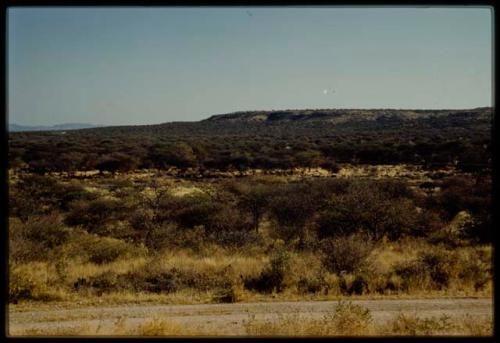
{"x":347,"y":320}
{"x":35,"y":195}
{"x":473,"y":326}
{"x":350,"y":319}
{"x":414,"y":276}
{"x":305,"y":273}
{"x":33,"y":282}
{"x":354,"y":284}
{"x":160,"y":327}
{"x":158,"y":277}
{"x":311,"y":285}
{"x":441,"y":269}
{"x":153,"y":327}
{"x":107,"y":250}
{"x":353,"y":320}
{"x":191,"y":210}
{"x":235,"y":239}
{"x":346,"y":254}
{"x":367,"y":207}
{"x":100,"y":250}
{"x":429,"y":270}
{"x":273,"y":276}
{"x":35,"y":239}
{"x":171,"y":236}
{"x":412,"y":325}
{"x":285,"y":325}
{"x":475,"y":267}
{"x":229,"y":292}
{"x":291,"y":207}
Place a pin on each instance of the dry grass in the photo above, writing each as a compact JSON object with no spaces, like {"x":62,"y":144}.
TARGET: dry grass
{"x":159,"y":327}
{"x":412,"y":325}
{"x":352,"y":320}
{"x":347,"y":320}
{"x":306,"y":278}
{"x":120,"y":266}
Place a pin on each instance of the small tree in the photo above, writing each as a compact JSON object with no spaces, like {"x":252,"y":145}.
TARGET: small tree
{"x":366,"y":207}
{"x":291,"y":208}
{"x":330,"y":165}
{"x":309,"y":159}
{"x":116,"y":162}
{"x":255,"y":199}
{"x":179,"y":155}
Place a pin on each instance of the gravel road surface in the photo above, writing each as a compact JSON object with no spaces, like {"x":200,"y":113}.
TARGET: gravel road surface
{"x":229,"y":319}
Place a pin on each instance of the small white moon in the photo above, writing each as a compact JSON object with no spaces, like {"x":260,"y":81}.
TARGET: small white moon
{"x":325,"y":91}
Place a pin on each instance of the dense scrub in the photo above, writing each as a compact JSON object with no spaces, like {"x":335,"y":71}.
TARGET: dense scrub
{"x":321,"y":236}
{"x":285,"y":140}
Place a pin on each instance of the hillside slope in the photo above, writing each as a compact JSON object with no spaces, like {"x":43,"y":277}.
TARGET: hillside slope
{"x":268,"y":139}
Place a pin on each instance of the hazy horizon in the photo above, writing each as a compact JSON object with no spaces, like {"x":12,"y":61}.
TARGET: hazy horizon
{"x":244,"y":111}
{"x":133,"y":66}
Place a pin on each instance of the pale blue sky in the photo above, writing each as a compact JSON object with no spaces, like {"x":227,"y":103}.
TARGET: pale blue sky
{"x":119,"y":66}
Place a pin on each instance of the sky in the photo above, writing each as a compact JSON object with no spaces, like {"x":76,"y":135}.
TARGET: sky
{"x":133,"y":66}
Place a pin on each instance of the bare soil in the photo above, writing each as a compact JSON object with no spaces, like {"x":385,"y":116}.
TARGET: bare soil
{"x":229,"y":319}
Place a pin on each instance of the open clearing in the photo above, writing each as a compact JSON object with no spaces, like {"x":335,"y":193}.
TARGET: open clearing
{"x":229,"y":319}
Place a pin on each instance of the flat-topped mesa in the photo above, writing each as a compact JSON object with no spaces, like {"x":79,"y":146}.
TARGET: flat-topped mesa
{"x":342,"y":115}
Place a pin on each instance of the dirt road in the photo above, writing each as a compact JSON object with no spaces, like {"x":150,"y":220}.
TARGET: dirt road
{"x":229,"y":319}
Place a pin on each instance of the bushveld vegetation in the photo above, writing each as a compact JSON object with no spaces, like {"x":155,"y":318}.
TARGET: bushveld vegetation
{"x":150,"y":237}
{"x":216,"y":212}
{"x":285,"y":139}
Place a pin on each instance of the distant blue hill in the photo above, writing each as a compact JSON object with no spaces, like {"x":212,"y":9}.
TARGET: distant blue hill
{"x":66,"y":126}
